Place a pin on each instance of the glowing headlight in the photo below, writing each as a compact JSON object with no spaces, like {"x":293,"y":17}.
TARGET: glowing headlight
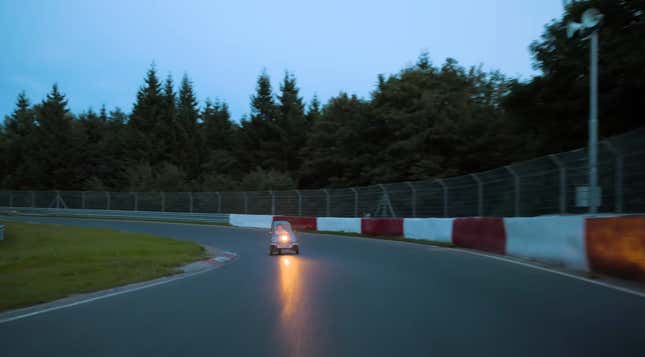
{"x":284,"y":238}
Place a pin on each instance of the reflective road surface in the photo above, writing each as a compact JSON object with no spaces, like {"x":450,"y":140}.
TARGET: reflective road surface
{"x":341,"y":297}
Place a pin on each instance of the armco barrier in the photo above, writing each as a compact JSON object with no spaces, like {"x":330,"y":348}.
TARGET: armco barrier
{"x":480,"y":233}
{"x":298,"y":223}
{"x":382,"y":226}
{"x":1,"y":232}
{"x":339,"y":224}
{"x":432,"y":229}
{"x":557,"y":240}
{"x":616,"y":246}
{"x":100,"y":213}
{"x":251,"y":220}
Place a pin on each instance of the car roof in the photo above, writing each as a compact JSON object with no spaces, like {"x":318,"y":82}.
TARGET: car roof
{"x":285,"y":224}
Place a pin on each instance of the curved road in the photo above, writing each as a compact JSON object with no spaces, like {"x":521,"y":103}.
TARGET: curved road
{"x":341,"y":297}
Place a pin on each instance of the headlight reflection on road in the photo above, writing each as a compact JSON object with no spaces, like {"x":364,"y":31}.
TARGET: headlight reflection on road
{"x":290,"y":290}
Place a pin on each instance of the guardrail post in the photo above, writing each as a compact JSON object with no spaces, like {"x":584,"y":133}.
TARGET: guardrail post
{"x":563,"y":182}
{"x":219,"y":202}
{"x":10,"y":198}
{"x":163,"y":201}
{"x":516,"y":184}
{"x":83,"y":199}
{"x":445,"y":196}
{"x":618,"y":178}
{"x":299,"y":203}
{"x":107,"y":200}
{"x":328,"y":202}
{"x":33,"y":199}
{"x":136,"y":200}
{"x":480,"y":195}
{"x":190,"y":197}
{"x":272,"y":202}
{"x":414,"y":198}
{"x":246,"y":202}
{"x":355,"y":201}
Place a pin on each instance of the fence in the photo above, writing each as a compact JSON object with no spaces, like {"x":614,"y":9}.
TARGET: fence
{"x":554,"y":184}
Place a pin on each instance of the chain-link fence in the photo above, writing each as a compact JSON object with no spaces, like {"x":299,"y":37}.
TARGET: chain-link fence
{"x":548,"y":185}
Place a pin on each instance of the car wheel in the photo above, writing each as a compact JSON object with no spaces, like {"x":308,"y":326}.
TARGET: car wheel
{"x":297,"y":250}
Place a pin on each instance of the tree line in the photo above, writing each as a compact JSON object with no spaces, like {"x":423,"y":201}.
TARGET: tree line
{"x":425,"y":121}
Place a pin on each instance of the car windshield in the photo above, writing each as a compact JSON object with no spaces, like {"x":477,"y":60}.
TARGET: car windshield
{"x":280,"y":226}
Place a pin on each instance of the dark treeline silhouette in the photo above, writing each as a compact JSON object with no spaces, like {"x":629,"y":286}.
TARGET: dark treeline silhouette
{"x":425,"y":121}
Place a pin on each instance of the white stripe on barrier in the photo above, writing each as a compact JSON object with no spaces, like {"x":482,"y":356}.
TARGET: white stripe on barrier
{"x":432,"y":229}
{"x":339,"y":224}
{"x":251,"y":220}
{"x":551,"y":239}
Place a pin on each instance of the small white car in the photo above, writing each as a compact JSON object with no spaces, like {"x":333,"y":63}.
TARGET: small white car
{"x":282,"y":238}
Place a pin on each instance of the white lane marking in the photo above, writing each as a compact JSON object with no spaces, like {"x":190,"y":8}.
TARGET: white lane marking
{"x":54,"y":308}
{"x":607,"y":285}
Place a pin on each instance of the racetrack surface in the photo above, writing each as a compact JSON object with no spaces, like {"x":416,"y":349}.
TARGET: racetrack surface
{"x":341,"y":297}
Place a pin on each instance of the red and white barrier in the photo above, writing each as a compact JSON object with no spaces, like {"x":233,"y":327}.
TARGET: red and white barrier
{"x":432,"y":229}
{"x":556,"y":240}
{"x":339,"y":224}
{"x":611,"y":245}
{"x":251,"y":220}
{"x":481,"y":233}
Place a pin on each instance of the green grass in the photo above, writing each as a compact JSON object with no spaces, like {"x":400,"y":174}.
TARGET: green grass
{"x":398,"y":239}
{"x":44,"y":262}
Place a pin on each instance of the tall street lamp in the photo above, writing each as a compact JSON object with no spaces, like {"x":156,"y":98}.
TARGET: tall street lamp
{"x":590,"y":23}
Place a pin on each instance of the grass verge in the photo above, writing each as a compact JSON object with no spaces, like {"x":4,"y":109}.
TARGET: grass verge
{"x":398,"y":239}
{"x":44,"y":262}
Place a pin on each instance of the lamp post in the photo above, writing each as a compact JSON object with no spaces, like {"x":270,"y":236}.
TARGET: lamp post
{"x":591,"y":19}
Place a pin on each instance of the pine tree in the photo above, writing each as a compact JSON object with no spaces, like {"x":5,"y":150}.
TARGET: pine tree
{"x":58,"y":154}
{"x":18,"y":138}
{"x":291,"y":122}
{"x":147,"y":112}
{"x":190,"y":145}
{"x":260,"y":137}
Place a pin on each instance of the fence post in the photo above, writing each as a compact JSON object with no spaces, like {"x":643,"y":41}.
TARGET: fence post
{"x":10,"y":198}
{"x":219,"y":202}
{"x":107,"y":200}
{"x":136,"y":200}
{"x":480,"y":195}
{"x":618,"y":178}
{"x":163,"y":201}
{"x":272,"y":202}
{"x":33,"y":199}
{"x":83,"y":199}
{"x":299,"y":203}
{"x":328,"y":201}
{"x":246,"y":202}
{"x":355,"y":201}
{"x":445,"y":196}
{"x":516,"y":183}
{"x":414,"y":198}
{"x":563,"y":182}
{"x":190,"y":198}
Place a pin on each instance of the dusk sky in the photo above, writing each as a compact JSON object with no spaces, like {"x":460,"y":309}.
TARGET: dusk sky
{"x":98,"y":51}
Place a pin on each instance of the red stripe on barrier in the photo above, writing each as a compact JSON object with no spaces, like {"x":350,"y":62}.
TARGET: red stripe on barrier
{"x":487,"y":234}
{"x":382,"y":226}
{"x":616,"y":246}
{"x":300,"y":223}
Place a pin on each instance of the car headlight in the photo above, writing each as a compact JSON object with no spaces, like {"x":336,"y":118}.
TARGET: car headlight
{"x":284,"y":238}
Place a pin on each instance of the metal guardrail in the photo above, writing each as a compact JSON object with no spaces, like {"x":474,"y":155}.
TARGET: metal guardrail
{"x":1,"y":232}
{"x":220,"y":218}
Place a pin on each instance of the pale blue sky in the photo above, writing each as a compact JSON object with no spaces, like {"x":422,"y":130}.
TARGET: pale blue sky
{"x":99,"y":51}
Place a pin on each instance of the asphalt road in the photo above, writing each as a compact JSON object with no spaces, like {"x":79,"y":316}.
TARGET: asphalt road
{"x":341,"y":297}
